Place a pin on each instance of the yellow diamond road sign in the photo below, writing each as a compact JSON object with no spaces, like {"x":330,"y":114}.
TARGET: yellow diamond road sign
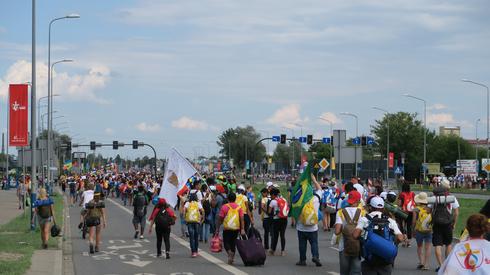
{"x":487,"y":168}
{"x":324,"y":164}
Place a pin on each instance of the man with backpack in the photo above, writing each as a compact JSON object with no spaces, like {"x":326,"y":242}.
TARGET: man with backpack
{"x":378,"y":241}
{"x":242,"y":201}
{"x":444,"y":217}
{"x":266,"y":218}
{"x":278,"y":209}
{"x":422,"y":224}
{"x":163,"y":217}
{"x":140,"y":202}
{"x":194,"y":216}
{"x":349,"y":247}
{"x":231,"y":216}
{"x":406,"y":201}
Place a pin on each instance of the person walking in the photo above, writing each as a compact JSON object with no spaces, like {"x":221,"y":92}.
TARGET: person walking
{"x":407,"y":203}
{"x":278,"y":209}
{"x":95,"y":213}
{"x":244,"y":203}
{"x":140,"y":203}
{"x":21,"y":194}
{"x":265,"y":215}
{"x":422,"y":224}
{"x":308,"y":230}
{"x":44,"y":211}
{"x":231,"y":216}
{"x":163,"y":217}
{"x":345,"y":224}
{"x":194,"y":214}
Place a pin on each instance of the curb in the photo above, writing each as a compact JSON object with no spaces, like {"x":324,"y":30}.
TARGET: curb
{"x":67,"y":255}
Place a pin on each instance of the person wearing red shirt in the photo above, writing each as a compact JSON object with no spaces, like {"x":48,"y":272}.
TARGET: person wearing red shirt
{"x":231,"y":216}
{"x":163,"y":217}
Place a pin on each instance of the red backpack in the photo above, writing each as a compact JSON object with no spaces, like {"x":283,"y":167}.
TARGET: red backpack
{"x":408,"y":202}
{"x":283,"y":208}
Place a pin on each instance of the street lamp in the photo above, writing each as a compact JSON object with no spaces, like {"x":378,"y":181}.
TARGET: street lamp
{"x":476,"y":139}
{"x":425,"y":130}
{"x":331,"y":147}
{"x":488,"y":115}
{"x":50,"y":116}
{"x":387,"y":141}
{"x":42,"y":119}
{"x":39,"y":109}
{"x":357,"y":135}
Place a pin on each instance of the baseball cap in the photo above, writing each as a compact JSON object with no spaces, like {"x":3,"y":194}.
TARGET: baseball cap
{"x":241,"y":187}
{"x":354,"y":197}
{"x":269,"y":184}
{"x":359,"y":188}
{"x":377,"y":202}
{"x":383,"y":194}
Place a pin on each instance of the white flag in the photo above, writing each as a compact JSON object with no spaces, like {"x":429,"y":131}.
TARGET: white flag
{"x":177,"y":171}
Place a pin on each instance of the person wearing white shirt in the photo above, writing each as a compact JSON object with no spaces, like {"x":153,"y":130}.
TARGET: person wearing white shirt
{"x":87,"y":196}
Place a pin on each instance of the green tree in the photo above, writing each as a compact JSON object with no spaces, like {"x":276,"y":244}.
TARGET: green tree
{"x":240,"y":144}
{"x":283,"y":155}
{"x":446,"y":149}
{"x":406,"y":137}
{"x":320,"y":150}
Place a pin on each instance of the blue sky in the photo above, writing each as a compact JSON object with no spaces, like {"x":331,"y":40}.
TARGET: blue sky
{"x":177,"y":73}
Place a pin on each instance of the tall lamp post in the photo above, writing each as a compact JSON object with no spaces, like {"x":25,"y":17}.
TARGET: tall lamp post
{"x":50,"y":118}
{"x":357,"y":135}
{"x":33,"y":114}
{"x":425,"y":130}
{"x":476,"y":138}
{"x":488,"y":115}
{"x":331,"y":145}
{"x":387,"y":141}
{"x":39,"y":109}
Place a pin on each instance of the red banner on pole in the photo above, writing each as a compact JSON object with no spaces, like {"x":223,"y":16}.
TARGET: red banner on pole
{"x":391,"y":160}
{"x":18,"y":115}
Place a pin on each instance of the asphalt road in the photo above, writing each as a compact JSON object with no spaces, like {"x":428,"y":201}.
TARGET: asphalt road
{"x":121,"y":254}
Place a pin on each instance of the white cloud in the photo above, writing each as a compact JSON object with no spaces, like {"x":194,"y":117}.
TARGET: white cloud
{"x":109,"y":131}
{"x":288,"y":116}
{"x":331,"y":117}
{"x":70,"y":86}
{"x":440,"y":119}
{"x":434,"y":22}
{"x":437,"y":106}
{"x":146,"y":127}
{"x":189,"y":124}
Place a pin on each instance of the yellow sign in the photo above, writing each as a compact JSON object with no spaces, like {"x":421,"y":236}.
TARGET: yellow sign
{"x":433,"y":168}
{"x":324,"y":164}
{"x":332,"y":161}
{"x":316,"y":166}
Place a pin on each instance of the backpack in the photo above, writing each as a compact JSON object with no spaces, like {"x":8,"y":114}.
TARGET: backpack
{"x":139,"y":203}
{"x":192,"y":214}
{"x":44,"y":211}
{"x":283,"y":208}
{"x":424,"y":221}
{"x":408,"y":202}
{"x":242,"y":201}
{"x":309,"y":216}
{"x":206,"y":205}
{"x":163,"y":219}
{"x":352,"y":247}
{"x":232,"y":218}
{"x":378,"y":247}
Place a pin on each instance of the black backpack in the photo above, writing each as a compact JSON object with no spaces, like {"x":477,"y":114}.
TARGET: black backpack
{"x":163,"y":219}
{"x":206,"y":205}
{"x":139,"y":204}
{"x":440,"y":212}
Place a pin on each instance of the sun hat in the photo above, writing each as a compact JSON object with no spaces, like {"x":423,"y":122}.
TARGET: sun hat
{"x":269,"y":184}
{"x":421,"y":198}
{"x":377,"y":202}
{"x":445,"y":183}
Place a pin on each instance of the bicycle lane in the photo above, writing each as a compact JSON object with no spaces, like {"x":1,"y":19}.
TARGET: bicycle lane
{"x":122,"y":254}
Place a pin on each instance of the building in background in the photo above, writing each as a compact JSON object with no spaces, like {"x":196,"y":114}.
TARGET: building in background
{"x":447,"y":130}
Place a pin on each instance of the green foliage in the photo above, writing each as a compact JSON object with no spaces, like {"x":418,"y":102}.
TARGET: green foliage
{"x":447,"y":149}
{"x":283,"y":155}
{"x":240,"y":144}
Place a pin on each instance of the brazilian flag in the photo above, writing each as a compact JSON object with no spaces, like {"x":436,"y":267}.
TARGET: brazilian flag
{"x":302,"y":192}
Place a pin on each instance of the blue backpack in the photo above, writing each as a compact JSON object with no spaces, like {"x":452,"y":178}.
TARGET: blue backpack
{"x":378,"y":246}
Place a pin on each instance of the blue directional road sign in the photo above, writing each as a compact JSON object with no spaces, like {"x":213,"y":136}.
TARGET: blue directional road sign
{"x":356,"y":141}
{"x":370,"y":141}
{"x":399,"y":170}
{"x":302,"y":139}
{"x":276,"y":138}
{"x":326,"y":140}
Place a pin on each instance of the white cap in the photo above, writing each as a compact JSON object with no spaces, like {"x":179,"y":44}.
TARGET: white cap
{"x":377,"y":202}
{"x":269,"y":184}
{"x":359,"y":188}
{"x":392,"y":193}
{"x":84,"y":177}
{"x":383,"y":195}
{"x":241,"y":187}
{"x":212,"y":188}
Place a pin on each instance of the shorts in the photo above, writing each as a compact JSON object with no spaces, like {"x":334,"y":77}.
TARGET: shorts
{"x":442,"y":235}
{"x":92,"y":221}
{"x":83,"y":211}
{"x":43,"y":221}
{"x":423,"y":237}
{"x":139,"y":220}
{"x":73,"y":194}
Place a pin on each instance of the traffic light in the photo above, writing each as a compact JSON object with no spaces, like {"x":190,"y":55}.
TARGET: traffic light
{"x":92,"y":145}
{"x":363,"y":141}
{"x":135,"y":144}
{"x":115,"y":145}
{"x":283,"y":139}
{"x":309,"y":139}
{"x":68,"y":145}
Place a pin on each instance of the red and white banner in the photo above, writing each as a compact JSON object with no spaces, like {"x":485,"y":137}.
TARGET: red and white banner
{"x":18,"y":115}
{"x":391,"y":159}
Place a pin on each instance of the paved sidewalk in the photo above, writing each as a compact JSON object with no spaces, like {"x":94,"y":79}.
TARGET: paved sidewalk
{"x":46,"y":262}
{"x":9,"y":205}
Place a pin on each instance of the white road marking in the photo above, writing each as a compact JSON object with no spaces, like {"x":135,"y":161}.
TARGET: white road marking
{"x":136,"y":245}
{"x":125,"y":256}
{"x":334,"y":248}
{"x":138,"y":263}
{"x":185,"y":243}
{"x":113,"y":241}
{"x":85,"y":254}
{"x":333,"y":273}
{"x":142,"y":252}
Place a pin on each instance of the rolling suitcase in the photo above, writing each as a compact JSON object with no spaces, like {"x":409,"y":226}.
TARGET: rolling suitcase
{"x":251,"y":251}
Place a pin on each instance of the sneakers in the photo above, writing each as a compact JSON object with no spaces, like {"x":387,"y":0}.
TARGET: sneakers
{"x":45,"y":246}
{"x":96,"y":249}
{"x":136,"y":234}
{"x":159,"y":255}
{"x":167,"y":255}
{"x":271,"y":253}
{"x":283,"y":253}
{"x":301,"y":263}
{"x":142,"y":237}
{"x":92,"y":249}
{"x":194,"y":254}
{"x":437,"y":269}
{"x":317,"y":262}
